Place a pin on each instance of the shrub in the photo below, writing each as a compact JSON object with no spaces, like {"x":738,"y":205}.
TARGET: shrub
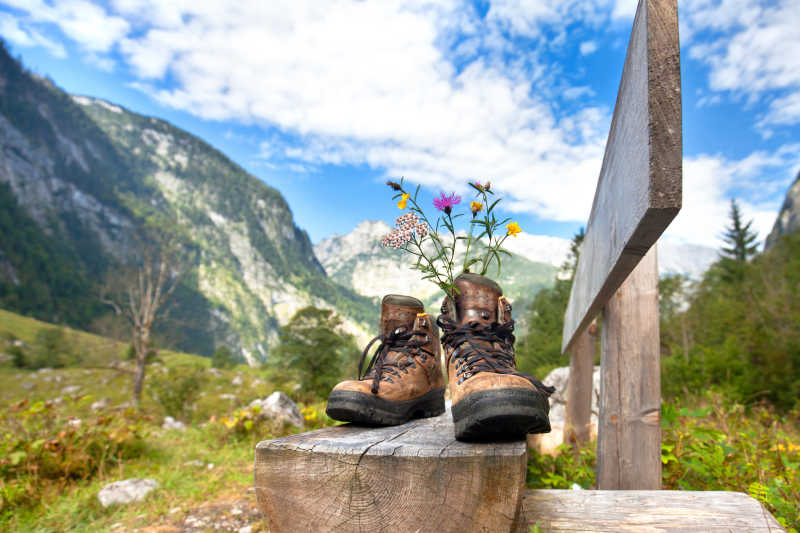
{"x":719,"y":447}
{"x":41,"y":445}
{"x":51,"y":348}
{"x":177,"y":390}
{"x":223,"y":358}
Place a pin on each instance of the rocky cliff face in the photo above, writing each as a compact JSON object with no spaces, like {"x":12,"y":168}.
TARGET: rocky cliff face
{"x":788,"y":219}
{"x":85,"y":174}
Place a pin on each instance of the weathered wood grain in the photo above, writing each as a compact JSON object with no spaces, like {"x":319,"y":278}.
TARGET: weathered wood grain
{"x":639,"y":189}
{"x":629,"y":422}
{"x":577,"y":426}
{"x":414,"y":477}
{"x":643,"y":511}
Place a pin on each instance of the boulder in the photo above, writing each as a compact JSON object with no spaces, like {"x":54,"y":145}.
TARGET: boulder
{"x":99,"y":405}
{"x":558,"y":378}
{"x":72,"y":389}
{"x":237,"y":381}
{"x":127,"y":491}
{"x":171,"y":423}
{"x":278,"y":406}
{"x":214,"y":372}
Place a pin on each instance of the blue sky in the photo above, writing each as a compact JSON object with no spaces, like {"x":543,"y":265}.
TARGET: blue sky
{"x":326,"y":100}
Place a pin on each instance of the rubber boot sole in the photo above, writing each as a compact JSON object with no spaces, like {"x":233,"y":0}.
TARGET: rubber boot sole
{"x":502,"y":414}
{"x":352,"y":406}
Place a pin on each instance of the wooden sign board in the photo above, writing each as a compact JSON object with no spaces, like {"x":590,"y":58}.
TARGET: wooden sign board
{"x":639,"y":190}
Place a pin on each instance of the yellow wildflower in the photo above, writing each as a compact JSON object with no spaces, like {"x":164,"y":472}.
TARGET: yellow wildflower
{"x":513,"y":229}
{"x":475,"y":207}
{"x":402,"y":203}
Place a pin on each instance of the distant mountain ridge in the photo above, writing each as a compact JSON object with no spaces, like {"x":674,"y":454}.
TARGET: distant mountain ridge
{"x":78,"y":176}
{"x":788,"y":219}
{"x":357,"y":260}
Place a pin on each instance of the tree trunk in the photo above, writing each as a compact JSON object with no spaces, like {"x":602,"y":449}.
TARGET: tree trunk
{"x":142,"y":347}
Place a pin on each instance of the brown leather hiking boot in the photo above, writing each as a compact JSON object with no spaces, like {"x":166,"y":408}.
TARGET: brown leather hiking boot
{"x":491,"y":399}
{"x":403,"y":379}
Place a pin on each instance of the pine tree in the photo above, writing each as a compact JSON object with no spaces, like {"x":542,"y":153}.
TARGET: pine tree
{"x":741,"y":238}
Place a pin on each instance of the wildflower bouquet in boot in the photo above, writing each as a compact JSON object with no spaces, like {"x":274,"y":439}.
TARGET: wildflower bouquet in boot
{"x":491,"y":399}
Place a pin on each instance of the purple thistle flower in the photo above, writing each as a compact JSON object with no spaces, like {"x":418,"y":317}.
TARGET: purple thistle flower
{"x":446,"y":203}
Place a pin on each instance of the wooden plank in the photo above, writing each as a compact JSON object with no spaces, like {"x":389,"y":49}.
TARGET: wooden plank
{"x":413,"y":477}
{"x":639,"y":511}
{"x":577,"y":426}
{"x":629,"y":422}
{"x":639,"y":188}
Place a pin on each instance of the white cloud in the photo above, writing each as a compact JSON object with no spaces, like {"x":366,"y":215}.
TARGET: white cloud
{"x":751,"y":48}
{"x":588,"y":47}
{"x":710,"y":181}
{"x":383,"y":92}
{"x":10,"y":29}
{"x":82,"y":21}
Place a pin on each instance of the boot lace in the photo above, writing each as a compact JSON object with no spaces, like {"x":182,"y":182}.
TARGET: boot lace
{"x":472,"y":356}
{"x":400,"y":340}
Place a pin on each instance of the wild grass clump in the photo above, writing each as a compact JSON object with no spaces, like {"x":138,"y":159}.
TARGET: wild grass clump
{"x":718,"y":446}
{"x":41,"y":446}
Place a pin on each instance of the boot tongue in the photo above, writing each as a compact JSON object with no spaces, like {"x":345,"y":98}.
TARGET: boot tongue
{"x":399,"y":311}
{"x":476,"y":299}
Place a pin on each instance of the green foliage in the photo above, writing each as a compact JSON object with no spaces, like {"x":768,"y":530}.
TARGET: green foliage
{"x":718,"y":445}
{"x":740,"y":334}
{"x":177,"y":390}
{"x":313,"y":353}
{"x":223,"y":358}
{"x":41,"y":444}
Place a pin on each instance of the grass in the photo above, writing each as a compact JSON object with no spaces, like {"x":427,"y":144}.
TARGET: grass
{"x":178,"y":460}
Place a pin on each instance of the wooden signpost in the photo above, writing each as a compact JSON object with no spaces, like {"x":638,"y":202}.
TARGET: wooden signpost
{"x":638,"y":194}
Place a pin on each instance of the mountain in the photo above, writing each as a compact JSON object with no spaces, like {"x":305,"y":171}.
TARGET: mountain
{"x":358,"y":261}
{"x":788,"y":219}
{"x":80,"y":177}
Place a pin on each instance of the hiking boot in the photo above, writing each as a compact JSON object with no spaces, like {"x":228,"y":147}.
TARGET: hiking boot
{"x":491,"y":399}
{"x":403,"y":379}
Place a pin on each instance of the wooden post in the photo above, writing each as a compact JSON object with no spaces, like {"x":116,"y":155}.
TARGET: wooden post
{"x":579,"y":389}
{"x":629,"y":425}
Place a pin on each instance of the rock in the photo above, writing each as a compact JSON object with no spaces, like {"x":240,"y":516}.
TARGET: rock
{"x":74,"y":422}
{"x":27,"y":385}
{"x":558,"y":378}
{"x":44,"y":370}
{"x":278,"y":406}
{"x":237,"y":381}
{"x":99,"y":405}
{"x":19,"y":344}
{"x":214,"y":372}
{"x":171,"y":423}
{"x":127,"y":491}
{"x":257,"y":382}
{"x":194,"y":462}
{"x":246,"y":529}
{"x":227,"y":396}
{"x":72,"y":389}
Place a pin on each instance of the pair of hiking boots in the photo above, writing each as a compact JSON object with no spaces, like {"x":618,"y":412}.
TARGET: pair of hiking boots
{"x":404,"y":380}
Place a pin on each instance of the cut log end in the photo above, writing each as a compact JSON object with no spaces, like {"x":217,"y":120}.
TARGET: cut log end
{"x":413,"y":477}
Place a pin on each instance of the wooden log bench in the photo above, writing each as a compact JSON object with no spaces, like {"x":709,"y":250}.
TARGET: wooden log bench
{"x":414,"y":477}
{"x":418,"y":478}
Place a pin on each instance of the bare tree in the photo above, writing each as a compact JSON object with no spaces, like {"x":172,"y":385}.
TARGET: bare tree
{"x":139,"y":293}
